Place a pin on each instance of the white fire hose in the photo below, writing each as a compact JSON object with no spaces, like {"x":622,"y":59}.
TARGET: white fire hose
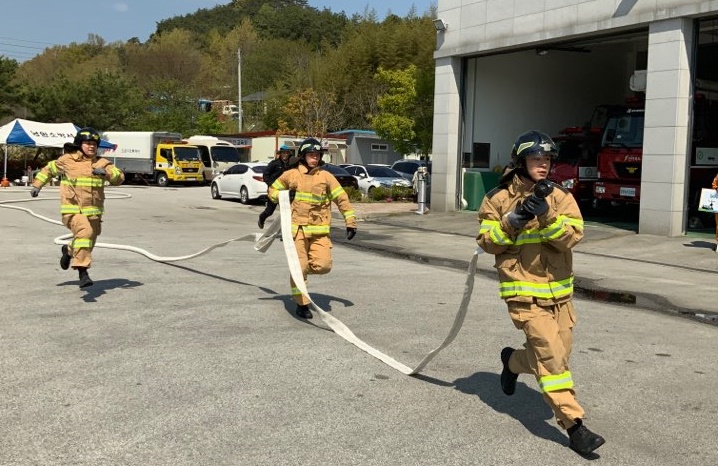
{"x":284,"y":224}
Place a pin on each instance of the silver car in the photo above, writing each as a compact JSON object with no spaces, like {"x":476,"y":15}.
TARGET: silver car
{"x":376,"y":176}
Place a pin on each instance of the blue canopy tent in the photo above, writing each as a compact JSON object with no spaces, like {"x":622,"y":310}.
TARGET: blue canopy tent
{"x":28,"y":133}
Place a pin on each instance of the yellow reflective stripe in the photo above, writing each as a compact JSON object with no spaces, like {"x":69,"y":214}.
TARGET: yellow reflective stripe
{"x":42,"y":178}
{"x":553,"y":289}
{"x":75,"y":209}
{"x":528,"y":237}
{"x":312,"y":230}
{"x":52,"y":166}
{"x":278,"y":185}
{"x":296,"y":291}
{"x":81,"y":243}
{"x":556,"y":229}
{"x":552,"y":383}
{"x":310,"y":198}
{"x":349,"y":213}
{"x":84,"y":181}
{"x":116,"y":173}
{"x":496,"y":234}
{"x":69,"y":209}
{"x":336,"y":192}
{"x":92,"y":210}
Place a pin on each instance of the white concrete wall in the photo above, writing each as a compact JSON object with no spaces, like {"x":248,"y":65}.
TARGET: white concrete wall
{"x":666,"y":138}
{"x":445,"y":166}
{"x":491,"y":25}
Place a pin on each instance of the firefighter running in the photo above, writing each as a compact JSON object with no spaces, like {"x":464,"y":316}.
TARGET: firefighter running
{"x":532,"y":231}
{"x":274,"y":170}
{"x":314,"y":189}
{"x":82,"y":196}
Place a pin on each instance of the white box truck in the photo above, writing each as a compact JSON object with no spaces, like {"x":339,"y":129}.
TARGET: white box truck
{"x":157,"y":156}
{"x":217,"y":155}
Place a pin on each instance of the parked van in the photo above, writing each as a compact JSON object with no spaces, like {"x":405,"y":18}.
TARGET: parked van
{"x":217,"y":155}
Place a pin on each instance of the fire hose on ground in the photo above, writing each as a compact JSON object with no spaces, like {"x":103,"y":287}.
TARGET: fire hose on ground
{"x":282,"y":225}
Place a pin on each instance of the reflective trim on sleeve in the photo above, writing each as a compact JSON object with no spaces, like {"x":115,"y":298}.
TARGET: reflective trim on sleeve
{"x":116,"y":174}
{"x":336,"y":192}
{"x":496,"y":234}
{"x":52,"y":166}
{"x":349,"y":214}
{"x":42,"y":178}
{"x":552,"y":383}
{"x":556,"y":229}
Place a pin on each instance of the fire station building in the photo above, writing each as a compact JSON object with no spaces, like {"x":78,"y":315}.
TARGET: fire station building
{"x":504,"y":67}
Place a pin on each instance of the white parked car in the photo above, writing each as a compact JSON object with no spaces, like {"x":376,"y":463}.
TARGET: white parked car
{"x":243,"y":181}
{"x":375,"y":176}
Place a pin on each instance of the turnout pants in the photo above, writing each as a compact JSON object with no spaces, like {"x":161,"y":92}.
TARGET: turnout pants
{"x":549,"y":340}
{"x":315,"y":257}
{"x":85,"y":231}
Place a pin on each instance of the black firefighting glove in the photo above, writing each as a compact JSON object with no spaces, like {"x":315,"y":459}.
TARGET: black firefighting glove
{"x":350,"y":233}
{"x":99,"y":172}
{"x":519,"y":217}
{"x":34,"y":192}
{"x":535,"y":205}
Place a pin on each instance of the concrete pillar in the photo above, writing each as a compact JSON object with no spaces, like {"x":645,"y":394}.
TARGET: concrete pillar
{"x":667,"y":134}
{"x":447,"y":123}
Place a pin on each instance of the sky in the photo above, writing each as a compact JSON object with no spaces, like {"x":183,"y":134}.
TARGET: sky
{"x":27,"y":27}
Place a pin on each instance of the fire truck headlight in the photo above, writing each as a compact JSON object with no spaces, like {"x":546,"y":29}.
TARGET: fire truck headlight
{"x":178,"y":170}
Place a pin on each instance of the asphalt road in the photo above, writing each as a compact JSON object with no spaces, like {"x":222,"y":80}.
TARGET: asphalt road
{"x":201,"y":362}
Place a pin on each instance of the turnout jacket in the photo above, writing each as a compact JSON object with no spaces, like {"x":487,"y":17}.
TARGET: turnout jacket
{"x":535,"y":262}
{"x":81,"y":192}
{"x":314,"y":192}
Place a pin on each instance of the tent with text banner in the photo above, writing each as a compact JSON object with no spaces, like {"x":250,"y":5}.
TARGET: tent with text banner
{"x":28,"y":133}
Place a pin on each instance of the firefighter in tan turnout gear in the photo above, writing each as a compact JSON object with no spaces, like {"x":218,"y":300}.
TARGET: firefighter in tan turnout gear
{"x":82,"y":195}
{"x":314,"y":190}
{"x":531,"y":225}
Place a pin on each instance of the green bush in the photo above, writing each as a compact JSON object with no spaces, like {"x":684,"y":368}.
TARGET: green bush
{"x":354,"y":194}
{"x":400,"y":193}
{"x":379,"y":194}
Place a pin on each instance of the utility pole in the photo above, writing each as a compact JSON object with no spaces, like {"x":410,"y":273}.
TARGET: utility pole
{"x":239,"y":88}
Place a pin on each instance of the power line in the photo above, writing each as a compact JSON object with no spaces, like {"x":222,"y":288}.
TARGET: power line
{"x":23,"y":46}
{"x":23,"y":40}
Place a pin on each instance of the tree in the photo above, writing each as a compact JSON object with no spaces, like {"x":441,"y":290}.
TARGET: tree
{"x":311,"y":113}
{"x":9,"y":91}
{"x":104,"y":101}
{"x":403,"y":117}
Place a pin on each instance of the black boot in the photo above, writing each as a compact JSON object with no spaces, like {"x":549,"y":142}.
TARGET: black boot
{"x":303,"y":311}
{"x":508,"y":378}
{"x":582,"y":440}
{"x":85,"y":279}
{"x":260,"y":223}
{"x":65,"y":259}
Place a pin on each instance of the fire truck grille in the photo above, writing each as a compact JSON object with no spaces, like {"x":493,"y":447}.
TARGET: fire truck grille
{"x":190,"y":170}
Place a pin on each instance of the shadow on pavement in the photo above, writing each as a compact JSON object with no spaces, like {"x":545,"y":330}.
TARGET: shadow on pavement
{"x":99,"y":287}
{"x":526,"y":405}
{"x":701,"y":244}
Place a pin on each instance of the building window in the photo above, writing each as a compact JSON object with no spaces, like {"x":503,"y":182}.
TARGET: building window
{"x":479,"y":158}
{"x":380,"y":147}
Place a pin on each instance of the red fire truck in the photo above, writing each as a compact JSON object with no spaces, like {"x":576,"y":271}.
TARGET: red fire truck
{"x":621,"y":154}
{"x":576,"y":165}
